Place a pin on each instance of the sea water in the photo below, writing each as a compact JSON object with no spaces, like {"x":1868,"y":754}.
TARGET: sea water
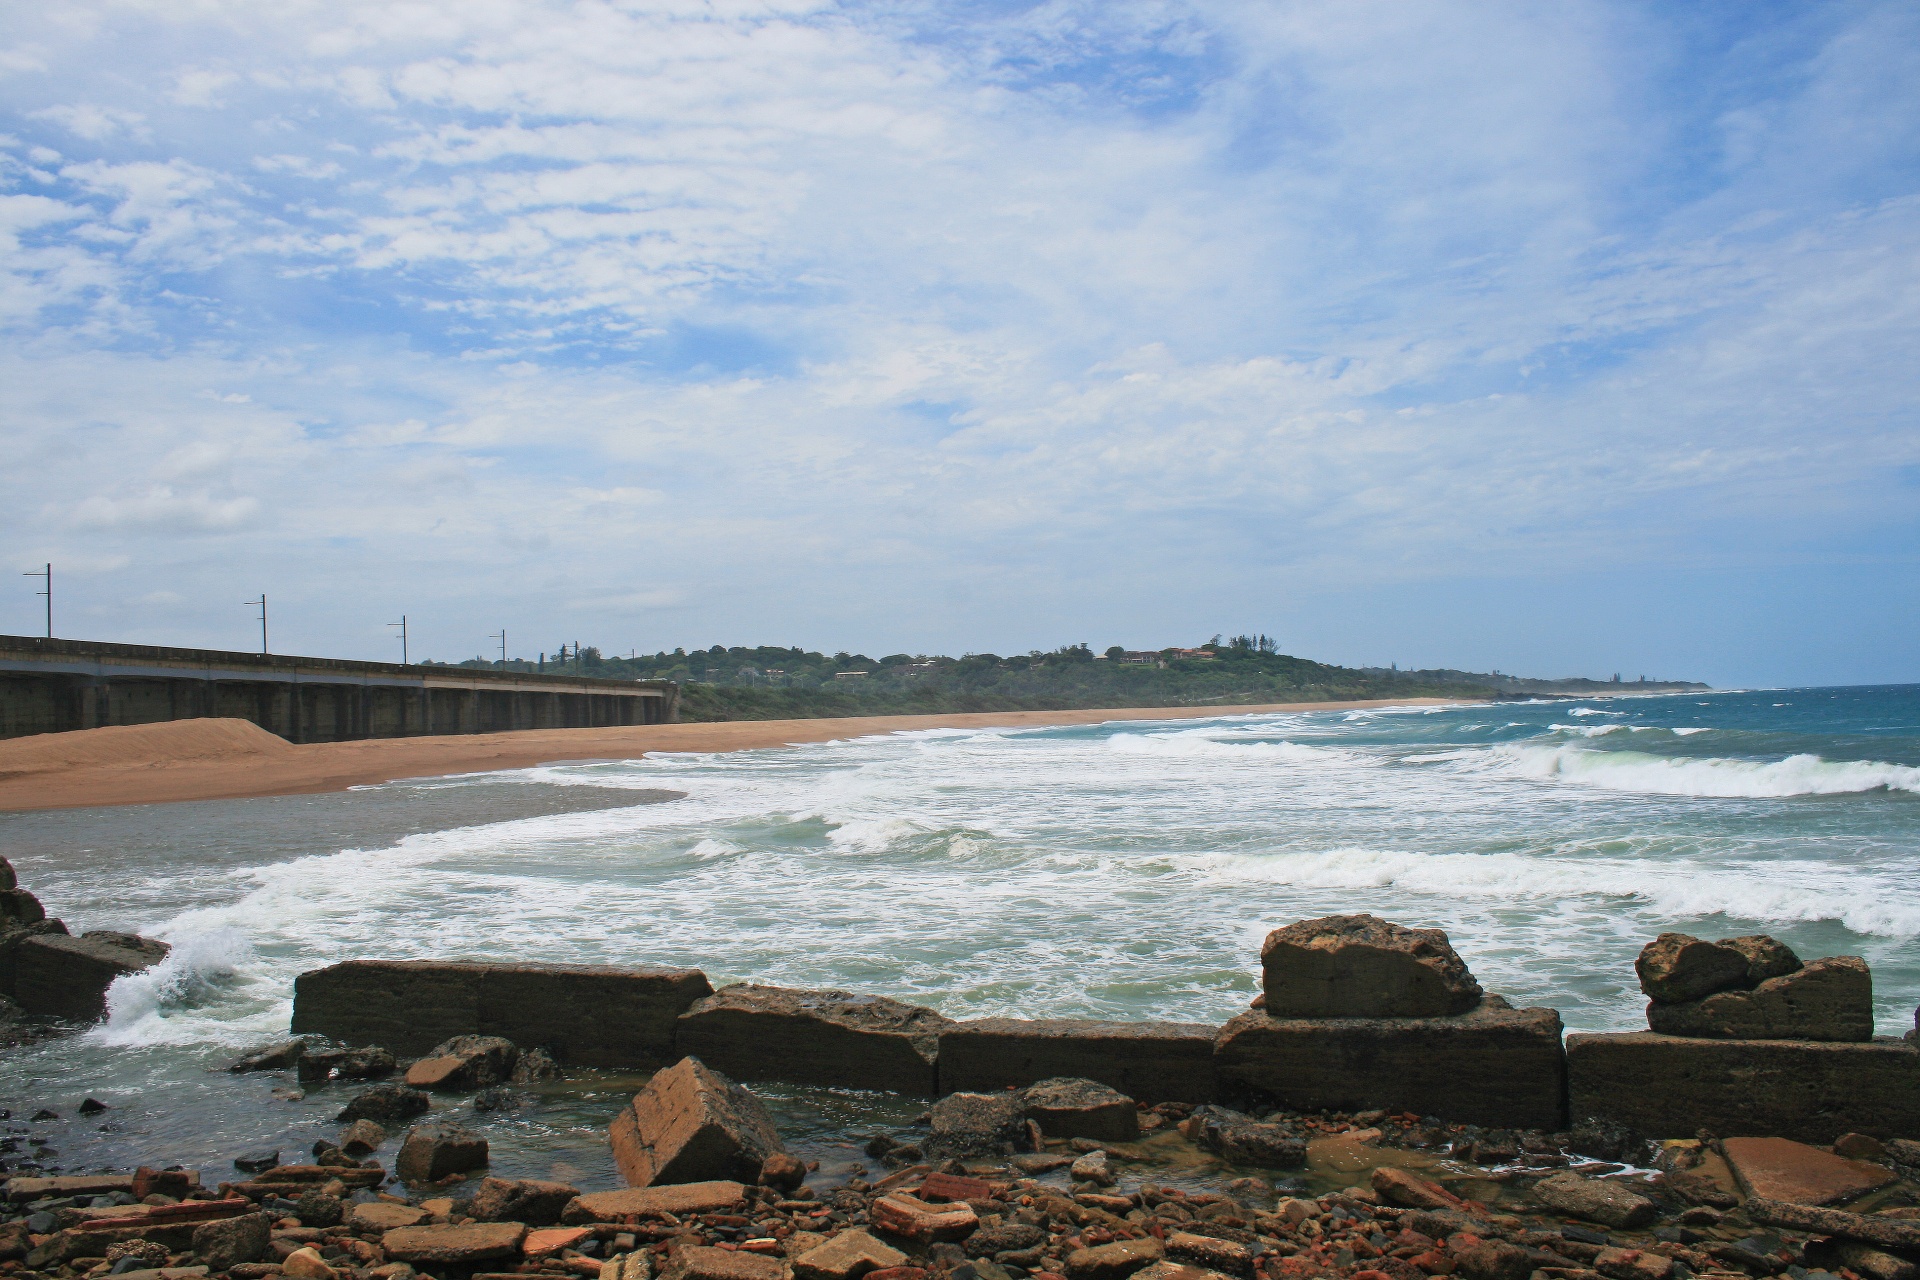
{"x":1126,"y":870}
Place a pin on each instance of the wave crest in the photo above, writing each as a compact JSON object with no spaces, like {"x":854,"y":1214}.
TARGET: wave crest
{"x":1703,"y":776}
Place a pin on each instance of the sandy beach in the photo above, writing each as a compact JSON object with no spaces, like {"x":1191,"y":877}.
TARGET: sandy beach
{"x":233,"y":759}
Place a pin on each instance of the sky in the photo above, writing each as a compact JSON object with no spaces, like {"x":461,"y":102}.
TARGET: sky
{"x":1554,"y":339}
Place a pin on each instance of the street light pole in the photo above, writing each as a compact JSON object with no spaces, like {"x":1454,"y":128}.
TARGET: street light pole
{"x":502,"y":638}
{"x":402,"y":624}
{"x":46,"y":573}
{"x":262,"y":602}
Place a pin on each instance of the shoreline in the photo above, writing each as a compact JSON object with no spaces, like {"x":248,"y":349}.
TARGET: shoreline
{"x":186,"y":760}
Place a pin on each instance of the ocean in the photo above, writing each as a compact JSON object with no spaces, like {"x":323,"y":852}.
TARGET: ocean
{"x":1123,"y":871}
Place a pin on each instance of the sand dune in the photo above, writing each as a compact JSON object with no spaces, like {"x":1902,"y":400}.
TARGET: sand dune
{"x":229,"y":759}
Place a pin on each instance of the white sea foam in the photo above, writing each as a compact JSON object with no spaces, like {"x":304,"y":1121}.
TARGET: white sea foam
{"x":1706,"y":777}
{"x":169,"y":1002}
{"x":1203,"y":746}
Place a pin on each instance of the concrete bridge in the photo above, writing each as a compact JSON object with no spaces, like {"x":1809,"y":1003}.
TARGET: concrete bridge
{"x":48,"y":686}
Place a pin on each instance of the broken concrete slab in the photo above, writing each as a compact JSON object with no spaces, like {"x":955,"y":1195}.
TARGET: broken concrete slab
{"x":433,"y":1151}
{"x":835,"y":1038}
{"x":528,"y":1200}
{"x":913,"y":1219}
{"x":703,"y":1262}
{"x":1151,"y":1061}
{"x":1071,"y":1107}
{"x":722,"y":1196}
{"x":1601,"y":1200}
{"x":1678,"y":967}
{"x":1829,"y":999}
{"x":57,"y":976}
{"x":1496,"y":1065}
{"x":1361,"y":966}
{"x":1781,"y":1169}
{"x":449,"y":1243}
{"x":847,"y":1256}
{"x":692,"y":1124}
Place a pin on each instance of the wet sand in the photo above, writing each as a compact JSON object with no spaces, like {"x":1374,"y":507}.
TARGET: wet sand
{"x":235,"y":759}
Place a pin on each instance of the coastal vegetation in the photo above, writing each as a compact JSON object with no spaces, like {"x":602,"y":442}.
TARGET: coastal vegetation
{"x":771,"y":682}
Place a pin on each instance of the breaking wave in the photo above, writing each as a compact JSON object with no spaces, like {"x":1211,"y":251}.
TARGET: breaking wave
{"x":1706,"y":777}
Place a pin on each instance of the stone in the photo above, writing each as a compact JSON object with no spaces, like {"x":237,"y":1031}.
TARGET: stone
{"x":230,"y":1241}
{"x":1595,"y":1199}
{"x":1632,"y":1264}
{"x":1876,"y":1264}
{"x":433,"y":1151}
{"x":536,"y":1203}
{"x":1493,"y":1260}
{"x":701,"y":1262}
{"x":449,"y":1243}
{"x":1205,"y":1251}
{"x":57,"y":976}
{"x":550,"y":1241}
{"x":306,"y":1264}
{"x":693,"y":1197}
{"x":782,"y":1172}
{"x":1244,"y":1140}
{"x":1167,"y":1269}
{"x":1781,"y":1169}
{"x":847,"y":1256}
{"x":1900,"y":1150}
{"x":1496,"y":1066}
{"x":1008,"y":1237}
{"x":1879,"y":1230}
{"x":384,"y":1216}
{"x":465,"y":1063}
{"x":535,"y":1065}
{"x":1858,"y":1146}
{"x":586,"y":1015}
{"x":1152,"y":1061}
{"x":1671,"y":1086}
{"x":1677,"y":967}
{"x":1092,"y":1167}
{"x":1072,"y":1107}
{"x":1397,"y":1186}
{"x":692,"y":1124}
{"x":973,"y":1124}
{"x":319,"y":1209}
{"x":834,"y":1038}
{"x":637,"y":1265}
{"x":362,"y":1138}
{"x":1830,"y":999}
{"x":1361,"y":966}
{"x":281,"y":1055}
{"x":1113,"y":1261}
{"x":1766,"y":958}
{"x":387,"y":1105}
{"x":912,"y":1219}
{"x":318,"y":1065}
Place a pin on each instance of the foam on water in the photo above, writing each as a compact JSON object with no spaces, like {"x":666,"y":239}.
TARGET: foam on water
{"x":1796,"y":775}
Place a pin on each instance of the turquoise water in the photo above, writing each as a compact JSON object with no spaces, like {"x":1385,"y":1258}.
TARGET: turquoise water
{"x":1119,"y":870}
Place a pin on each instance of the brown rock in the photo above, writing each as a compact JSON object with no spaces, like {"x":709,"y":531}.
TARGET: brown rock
{"x":551,"y":1240}
{"x":306,"y":1264}
{"x":1153,"y":1061}
{"x":1397,"y":1186}
{"x":1495,"y":1066}
{"x":1805,"y":1090}
{"x":833,"y":1038}
{"x":433,"y":1073}
{"x":231,"y":1241}
{"x":1876,"y":1264}
{"x":692,"y":1124}
{"x":1244,"y":1140}
{"x":1363,"y":967}
{"x":1228,"y":1256}
{"x":699,"y":1262}
{"x":1780,"y":1169}
{"x":384,"y":1216}
{"x":1113,"y":1261}
{"x":1858,"y":1146}
{"x":56,"y":976}
{"x":847,"y":1256}
{"x":1766,"y":958}
{"x":903,"y":1215}
{"x":536,"y":1203}
{"x":1069,"y":1107}
{"x":466,"y":1063}
{"x":1632,"y":1264}
{"x":1493,"y":1260}
{"x":690,"y":1197}
{"x":1880,"y":1230}
{"x":1595,"y":1199}
{"x":432,"y":1151}
{"x":782,"y":1172}
{"x":1830,"y":999}
{"x":1167,"y":1269}
{"x":361,"y":1138}
{"x":1676,"y":967}
{"x":385,"y":1104}
{"x":469,"y":1242}
{"x":973,"y":1124}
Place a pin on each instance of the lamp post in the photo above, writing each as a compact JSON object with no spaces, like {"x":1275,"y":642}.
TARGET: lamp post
{"x":46,"y":573}
{"x":402,"y":624}
{"x":262,"y":602}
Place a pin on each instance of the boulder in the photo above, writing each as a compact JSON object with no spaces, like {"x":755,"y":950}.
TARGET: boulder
{"x":702,"y":1262}
{"x":1228,"y":1256}
{"x":231,"y":1241}
{"x":1152,"y":1061}
{"x":468,"y":1242}
{"x":433,"y":1151}
{"x":1766,"y":957}
{"x":587,"y":1015}
{"x":1781,"y":1169}
{"x":1493,"y":1260}
{"x":281,"y":1055}
{"x":914,"y":1219}
{"x":1243,"y":1140}
{"x":1496,"y":1065}
{"x":973,"y":1124}
{"x":325,"y":1063}
{"x":1595,"y":1199}
{"x":1807,"y":1090}
{"x":694,"y":1197}
{"x":847,"y":1256}
{"x":317,"y":1208}
{"x":362,"y":1138}
{"x":1069,"y":1107}
{"x":1879,"y":1230}
{"x":387,"y":1105}
{"x":1398,"y":1187}
{"x":536,"y":1203}
{"x":692,"y":1124}
{"x":384,"y":1216}
{"x":834,"y":1038}
{"x":1676,"y":967}
{"x":1830,"y":999}
{"x":551,"y":1241}
{"x":465,"y":1063}
{"x":782,"y":1172}
{"x":1363,"y":967}
{"x":306,"y":1264}
{"x":56,"y":976}
{"x":1114,"y":1261}
{"x":1008,"y":1237}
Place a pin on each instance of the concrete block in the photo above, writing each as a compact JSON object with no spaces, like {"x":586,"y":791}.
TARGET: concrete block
{"x":692,"y":1124}
{"x":1810,"y":1091}
{"x":1151,"y":1061}
{"x":1496,"y":1065}
{"x":588,"y":1015}
{"x":814,"y":1037}
{"x":57,"y":976}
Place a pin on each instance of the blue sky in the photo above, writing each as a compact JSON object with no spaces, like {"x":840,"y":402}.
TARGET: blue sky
{"x":1570,"y":338}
